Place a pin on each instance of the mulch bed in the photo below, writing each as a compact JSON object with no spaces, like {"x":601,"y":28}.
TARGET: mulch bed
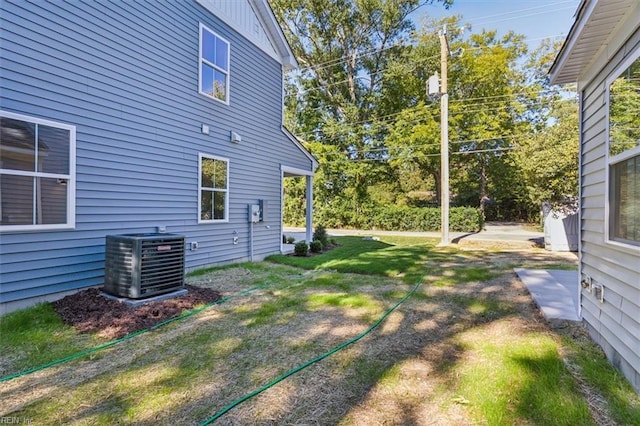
{"x":90,"y":312}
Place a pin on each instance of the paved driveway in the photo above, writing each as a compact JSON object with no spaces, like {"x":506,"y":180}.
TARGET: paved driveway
{"x":493,"y":231}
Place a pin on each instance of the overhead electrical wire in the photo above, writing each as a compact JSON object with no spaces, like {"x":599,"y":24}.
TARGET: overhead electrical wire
{"x":337,"y":83}
{"x":384,"y":120}
{"x":454,"y":101}
{"x":435,"y":144}
{"x":338,"y":61}
{"x":527,"y":15}
{"x":414,"y":155}
{"x":333,"y":62}
{"x":545,"y":6}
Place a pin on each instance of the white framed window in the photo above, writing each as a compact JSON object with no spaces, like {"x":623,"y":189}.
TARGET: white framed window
{"x":623,"y":153}
{"x":214,"y":57}
{"x":37,"y":173}
{"x":213,"y":189}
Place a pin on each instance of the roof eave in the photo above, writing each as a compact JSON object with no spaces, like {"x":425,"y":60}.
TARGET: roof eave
{"x":581,"y":18}
{"x":601,"y":27}
{"x":272,"y":26}
{"x":296,"y":141}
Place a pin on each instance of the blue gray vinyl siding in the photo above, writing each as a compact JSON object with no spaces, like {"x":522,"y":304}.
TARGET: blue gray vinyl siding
{"x":614,"y":324}
{"x":126,"y":75}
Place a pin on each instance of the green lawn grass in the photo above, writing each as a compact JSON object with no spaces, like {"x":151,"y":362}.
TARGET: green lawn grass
{"x":34,"y":336}
{"x":520,"y":379}
{"x":392,"y":257}
{"x":499,"y":376}
{"x":624,"y":404}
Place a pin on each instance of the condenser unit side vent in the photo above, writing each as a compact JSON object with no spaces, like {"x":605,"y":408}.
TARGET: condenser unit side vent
{"x":144,"y":265}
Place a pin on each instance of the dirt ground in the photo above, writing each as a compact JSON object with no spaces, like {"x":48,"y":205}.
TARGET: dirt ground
{"x":90,"y":312}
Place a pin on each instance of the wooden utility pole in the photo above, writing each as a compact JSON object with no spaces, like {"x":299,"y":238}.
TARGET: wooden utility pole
{"x":444,"y":139}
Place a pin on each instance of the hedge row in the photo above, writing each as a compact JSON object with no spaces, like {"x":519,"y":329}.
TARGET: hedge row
{"x":396,"y":218}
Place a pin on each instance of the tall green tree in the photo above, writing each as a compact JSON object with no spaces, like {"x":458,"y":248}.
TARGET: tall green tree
{"x":485,"y":81}
{"x":547,"y":155}
{"x":483,"y":113}
{"x":343,"y":48}
{"x":358,"y":101}
{"x":548,"y":158}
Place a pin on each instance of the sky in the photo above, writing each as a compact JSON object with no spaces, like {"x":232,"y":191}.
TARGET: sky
{"x":535,"y":19}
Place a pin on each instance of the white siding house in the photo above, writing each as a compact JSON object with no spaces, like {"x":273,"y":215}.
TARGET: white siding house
{"x":602,"y":54}
{"x":121,"y":117}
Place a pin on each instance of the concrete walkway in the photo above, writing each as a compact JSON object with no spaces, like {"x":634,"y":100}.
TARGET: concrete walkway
{"x":554,"y":291}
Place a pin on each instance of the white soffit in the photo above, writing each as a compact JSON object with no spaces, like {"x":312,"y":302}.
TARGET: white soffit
{"x":597,"y":24}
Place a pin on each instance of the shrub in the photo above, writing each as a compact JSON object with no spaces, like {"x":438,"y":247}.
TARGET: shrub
{"x":399,"y":218}
{"x":291,"y":240}
{"x":320,"y":234}
{"x":465,"y":219}
{"x":301,"y":248}
{"x":316,"y":246}
{"x":333,"y":242}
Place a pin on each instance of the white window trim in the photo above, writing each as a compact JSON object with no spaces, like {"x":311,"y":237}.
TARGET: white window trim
{"x":201,"y":60}
{"x":611,"y":161}
{"x":71,"y":182}
{"x":226,"y":199}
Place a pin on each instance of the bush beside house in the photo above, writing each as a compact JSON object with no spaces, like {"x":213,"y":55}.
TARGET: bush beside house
{"x":395,"y":218}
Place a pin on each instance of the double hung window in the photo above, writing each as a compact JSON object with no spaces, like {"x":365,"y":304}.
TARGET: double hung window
{"x":214,"y":65}
{"x":37,"y":173}
{"x":214,"y":189}
{"x":624,"y":153}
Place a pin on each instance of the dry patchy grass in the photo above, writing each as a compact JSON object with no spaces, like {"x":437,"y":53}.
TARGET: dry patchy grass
{"x":407,"y":371}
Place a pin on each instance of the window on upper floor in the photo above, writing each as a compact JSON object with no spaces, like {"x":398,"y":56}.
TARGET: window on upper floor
{"x":214,"y":65}
{"x":624,"y":153}
{"x":213,"y":196}
{"x":37,"y":173}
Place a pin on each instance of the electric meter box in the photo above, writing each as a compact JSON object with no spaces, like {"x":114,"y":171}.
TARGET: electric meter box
{"x":254,"y":213}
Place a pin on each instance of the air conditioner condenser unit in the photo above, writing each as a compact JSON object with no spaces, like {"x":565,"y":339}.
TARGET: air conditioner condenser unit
{"x":138,"y":266}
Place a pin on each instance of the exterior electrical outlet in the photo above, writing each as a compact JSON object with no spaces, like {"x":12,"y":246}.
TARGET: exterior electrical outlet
{"x":144,"y":265}
{"x":587,"y":284}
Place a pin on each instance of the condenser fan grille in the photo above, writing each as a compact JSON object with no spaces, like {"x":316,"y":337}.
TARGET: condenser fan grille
{"x":144,"y":265}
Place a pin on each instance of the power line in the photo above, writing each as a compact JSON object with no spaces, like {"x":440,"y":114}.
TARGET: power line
{"x":365,"y":53}
{"x":404,"y":157}
{"x":527,"y":15}
{"x":458,"y":142}
{"x":544,"y":6}
{"x":335,"y":84}
{"x":460,"y":102}
{"x":337,"y":61}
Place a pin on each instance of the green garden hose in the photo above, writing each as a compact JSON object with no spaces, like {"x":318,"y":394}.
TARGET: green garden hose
{"x":128,"y":336}
{"x":301,"y":367}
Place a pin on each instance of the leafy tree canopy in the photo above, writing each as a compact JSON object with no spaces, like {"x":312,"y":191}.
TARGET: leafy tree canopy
{"x":359,"y":103}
